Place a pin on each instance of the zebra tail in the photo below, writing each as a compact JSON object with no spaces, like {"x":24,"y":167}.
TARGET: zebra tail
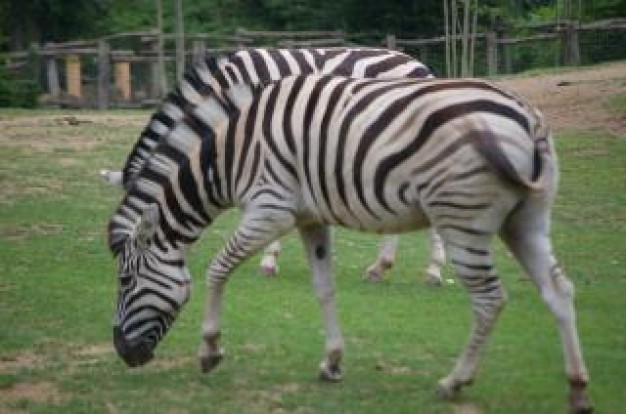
{"x":486,"y":142}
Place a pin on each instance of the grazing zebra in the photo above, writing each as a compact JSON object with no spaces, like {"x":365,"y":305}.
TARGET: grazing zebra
{"x":261,"y":66}
{"x":384,"y":156}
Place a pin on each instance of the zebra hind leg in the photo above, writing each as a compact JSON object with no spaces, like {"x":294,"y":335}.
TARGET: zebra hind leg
{"x":529,"y":241}
{"x":474,"y":266}
{"x":317,"y":244}
{"x":385,"y":260}
{"x":436,"y":261}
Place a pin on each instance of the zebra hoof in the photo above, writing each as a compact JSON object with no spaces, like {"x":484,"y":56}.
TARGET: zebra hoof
{"x":209,"y":362}
{"x":432,"y":279}
{"x":268,"y":266}
{"x":269,"y":271}
{"x":448,"y":388}
{"x":580,"y":402}
{"x":582,"y":409}
{"x":373,"y":276}
{"x":330,"y":372}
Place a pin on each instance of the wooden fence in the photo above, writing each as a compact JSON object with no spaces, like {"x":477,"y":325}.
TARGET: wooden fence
{"x":125,"y":69}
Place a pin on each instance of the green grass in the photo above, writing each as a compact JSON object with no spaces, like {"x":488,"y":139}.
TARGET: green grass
{"x":57,"y":296}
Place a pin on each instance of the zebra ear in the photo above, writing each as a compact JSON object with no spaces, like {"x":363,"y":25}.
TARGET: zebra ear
{"x":147,"y":226}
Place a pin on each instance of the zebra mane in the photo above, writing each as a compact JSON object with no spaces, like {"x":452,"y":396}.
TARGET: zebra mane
{"x":181,"y":98}
{"x":168,"y":170}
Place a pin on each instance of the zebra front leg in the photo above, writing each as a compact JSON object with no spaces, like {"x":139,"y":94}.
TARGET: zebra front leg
{"x":211,"y":353}
{"x":257,"y":229}
{"x":268,"y":265}
{"x":437,"y":259}
{"x":318,"y":249}
{"x":384,"y":261}
{"x":474,"y":267}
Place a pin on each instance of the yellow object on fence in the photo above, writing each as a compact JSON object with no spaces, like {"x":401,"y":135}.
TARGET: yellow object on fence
{"x":73,"y":75}
{"x":122,"y":79}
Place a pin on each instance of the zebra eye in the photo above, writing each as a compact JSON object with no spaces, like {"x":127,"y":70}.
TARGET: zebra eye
{"x":125,"y":280}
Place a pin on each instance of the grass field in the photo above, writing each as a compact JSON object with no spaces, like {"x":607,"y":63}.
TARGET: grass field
{"x":57,"y":296}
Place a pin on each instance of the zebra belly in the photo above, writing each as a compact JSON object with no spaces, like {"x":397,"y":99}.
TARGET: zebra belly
{"x":406,"y":220}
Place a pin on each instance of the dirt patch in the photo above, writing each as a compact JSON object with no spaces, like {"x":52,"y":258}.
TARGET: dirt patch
{"x":270,"y":400}
{"x":72,"y":356}
{"x":466,"y":408}
{"x":25,"y":360}
{"x":48,"y":134}
{"x":37,"y":392}
{"x":36,"y":185}
{"x":15,"y":232}
{"x":94,"y":351}
{"x":577,"y":99}
{"x":166,"y":364}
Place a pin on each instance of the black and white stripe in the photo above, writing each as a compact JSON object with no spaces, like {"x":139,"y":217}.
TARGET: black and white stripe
{"x":260,"y":66}
{"x":385,"y":156}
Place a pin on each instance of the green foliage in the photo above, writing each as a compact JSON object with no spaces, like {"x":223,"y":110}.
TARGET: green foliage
{"x":40,"y":21}
{"x":44,"y":20}
{"x":601,"y":9}
{"x":17,"y":93}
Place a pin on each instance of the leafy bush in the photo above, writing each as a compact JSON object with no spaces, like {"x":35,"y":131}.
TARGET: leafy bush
{"x":17,"y":93}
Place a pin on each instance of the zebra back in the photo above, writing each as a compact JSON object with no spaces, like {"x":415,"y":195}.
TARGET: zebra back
{"x":259,"y":66}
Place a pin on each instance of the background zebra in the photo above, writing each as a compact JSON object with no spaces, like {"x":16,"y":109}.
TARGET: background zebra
{"x":258,"y":66}
{"x":467,"y":156}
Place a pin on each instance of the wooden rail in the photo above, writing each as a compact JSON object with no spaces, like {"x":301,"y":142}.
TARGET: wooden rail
{"x":115,"y":66}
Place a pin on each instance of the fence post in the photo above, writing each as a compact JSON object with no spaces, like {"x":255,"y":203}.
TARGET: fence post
{"x":391,"y":42}
{"x":53,"y":77}
{"x":73,"y":76}
{"x":571,"y":49}
{"x":158,"y":85}
{"x":508,"y":58}
{"x":198,"y":51}
{"x":104,"y":74}
{"x":122,"y":78}
{"x":492,"y":53}
{"x":423,"y":53}
{"x":180,"y":39}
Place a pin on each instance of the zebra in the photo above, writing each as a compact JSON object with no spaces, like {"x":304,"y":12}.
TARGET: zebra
{"x":263,"y":65}
{"x":310,"y":152}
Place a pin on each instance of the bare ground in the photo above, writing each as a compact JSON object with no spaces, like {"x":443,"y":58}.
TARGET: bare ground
{"x":571,"y":99}
{"x":577,"y":99}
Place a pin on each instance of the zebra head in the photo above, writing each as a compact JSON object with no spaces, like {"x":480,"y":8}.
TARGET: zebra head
{"x":154,"y":284}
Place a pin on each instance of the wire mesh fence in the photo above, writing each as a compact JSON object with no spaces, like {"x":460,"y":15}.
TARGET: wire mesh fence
{"x":125,"y":70}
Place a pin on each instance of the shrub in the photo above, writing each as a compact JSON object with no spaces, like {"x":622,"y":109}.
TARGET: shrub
{"x":17,"y":93}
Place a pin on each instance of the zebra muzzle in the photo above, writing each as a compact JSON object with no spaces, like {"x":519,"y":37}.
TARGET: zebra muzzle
{"x":134,"y":353}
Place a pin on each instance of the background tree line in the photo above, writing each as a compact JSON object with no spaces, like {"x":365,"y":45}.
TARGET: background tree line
{"x":24,"y":22}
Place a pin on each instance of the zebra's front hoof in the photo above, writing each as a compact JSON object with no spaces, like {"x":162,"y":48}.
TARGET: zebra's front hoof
{"x":330,"y":372}
{"x":209,"y":362}
{"x":448,"y":388}
{"x":580,"y":402}
{"x":373,"y":275}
